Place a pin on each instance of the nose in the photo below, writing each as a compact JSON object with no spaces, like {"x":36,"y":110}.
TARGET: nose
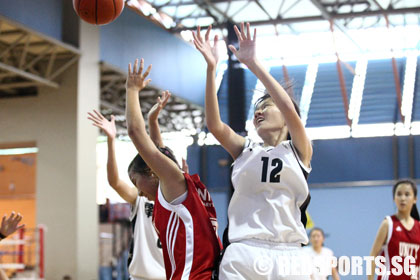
{"x":257,"y":113}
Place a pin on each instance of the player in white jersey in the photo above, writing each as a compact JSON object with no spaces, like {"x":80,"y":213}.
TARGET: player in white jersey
{"x":267,"y":210}
{"x":317,"y":250}
{"x":145,"y":257}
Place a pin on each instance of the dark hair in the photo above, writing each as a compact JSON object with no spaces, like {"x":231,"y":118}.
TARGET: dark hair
{"x":139,"y":166}
{"x":317,"y":229}
{"x":414,"y":212}
{"x":266,"y":96}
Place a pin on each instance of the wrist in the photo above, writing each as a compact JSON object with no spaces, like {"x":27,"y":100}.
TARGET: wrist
{"x":253,"y":63}
{"x":211,"y":68}
{"x":133,"y":90}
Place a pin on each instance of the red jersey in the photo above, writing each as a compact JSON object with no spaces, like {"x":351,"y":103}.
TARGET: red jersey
{"x":401,"y":242}
{"x":188,"y":232}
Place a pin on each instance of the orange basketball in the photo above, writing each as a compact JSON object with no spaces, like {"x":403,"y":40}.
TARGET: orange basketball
{"x":98,"y":11}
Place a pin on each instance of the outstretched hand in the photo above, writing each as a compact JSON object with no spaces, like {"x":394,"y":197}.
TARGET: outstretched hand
{"x":161,"y":103}
{"x":247,"y":45}
{"x":100,"y":121}
{"x":11,"y":224}
{"x":136,"y":79}
{"x":205,"y":48}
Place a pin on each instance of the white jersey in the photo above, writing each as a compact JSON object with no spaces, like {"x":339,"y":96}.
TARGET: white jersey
{"x":270,"y":195}
{"x":146,"y":256}
{"x":325,"y":253}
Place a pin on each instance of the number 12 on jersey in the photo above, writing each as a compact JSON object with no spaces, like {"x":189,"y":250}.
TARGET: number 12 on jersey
{"x":274,"y":174}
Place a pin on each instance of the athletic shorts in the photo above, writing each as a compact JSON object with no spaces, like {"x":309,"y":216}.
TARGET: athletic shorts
{"x":259,"y":260}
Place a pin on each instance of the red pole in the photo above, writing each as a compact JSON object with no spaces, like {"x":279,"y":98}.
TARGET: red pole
{"x":341,"y":79}
{"x":396,"y":76}
{"x":287,"y":80}
{"x":41,"y":251}
{"x":21,"y":247}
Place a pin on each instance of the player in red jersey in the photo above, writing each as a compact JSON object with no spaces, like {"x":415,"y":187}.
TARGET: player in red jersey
{"x":184,"y":214}
{"x":399,"y":235}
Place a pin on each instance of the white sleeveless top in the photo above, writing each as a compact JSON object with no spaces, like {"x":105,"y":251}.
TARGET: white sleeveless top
{"x":147,"y":258}
{"x":270,"y":189}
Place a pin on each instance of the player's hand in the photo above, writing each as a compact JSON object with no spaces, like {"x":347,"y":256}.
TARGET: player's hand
{"x":100,"y":121}
{"x":11,"y":224}
{"x":247,"y":45}
{"x":161,"y":103}
{"x":136,"y":79}
{"x":205,"y":48}
{"x":185,"y":166}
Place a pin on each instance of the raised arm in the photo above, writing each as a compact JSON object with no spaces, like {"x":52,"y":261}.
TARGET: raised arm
{"x":10,"y":225}
{"x":127,"y":192}
{"x":380,"y":239}
{"x":153,"y":117}
{"x":247,"y":55}
{"x":172,"y":180}
{"x":231,"y":142}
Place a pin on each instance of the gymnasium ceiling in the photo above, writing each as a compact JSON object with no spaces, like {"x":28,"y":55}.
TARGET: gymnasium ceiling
{"x":280,"y":16}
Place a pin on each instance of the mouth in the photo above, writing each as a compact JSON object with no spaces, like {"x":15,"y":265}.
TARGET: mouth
{"x":259,"y":120}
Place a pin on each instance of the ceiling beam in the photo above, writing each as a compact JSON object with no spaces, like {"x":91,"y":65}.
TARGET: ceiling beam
{"x":326,"y":15}
{"x":28,"y":75}
{"x":401,"y":11}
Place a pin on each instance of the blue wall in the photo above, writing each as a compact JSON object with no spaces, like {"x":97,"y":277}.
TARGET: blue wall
{"x":336,"y":160}
{"x":177,"y":66}
{"x":44,"y":16}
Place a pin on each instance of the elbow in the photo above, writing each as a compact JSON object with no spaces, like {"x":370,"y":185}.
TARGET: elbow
{"x":213,"y":127}
{"x":133,"y":131}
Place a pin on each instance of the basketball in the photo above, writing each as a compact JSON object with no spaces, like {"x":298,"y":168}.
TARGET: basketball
{"x":98,"y":12}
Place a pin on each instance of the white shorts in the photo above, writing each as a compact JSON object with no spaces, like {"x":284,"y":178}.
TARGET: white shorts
{"x":259,"y":260}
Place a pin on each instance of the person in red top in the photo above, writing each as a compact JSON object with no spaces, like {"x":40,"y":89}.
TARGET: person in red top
{"x":184,"y":215}
{"x":398,"y":236}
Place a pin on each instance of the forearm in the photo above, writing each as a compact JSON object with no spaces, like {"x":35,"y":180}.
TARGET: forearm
{"x":111,"y":166}
{"x":154,"y":131}
{"x":137,"y":130}
{"x":214,"y":123}
{"x":134,"y":117}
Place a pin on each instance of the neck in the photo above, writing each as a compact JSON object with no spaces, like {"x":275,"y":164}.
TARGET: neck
{"x":317,"y":249}
{"x":403,"y":215}
{"x":274,"y":138}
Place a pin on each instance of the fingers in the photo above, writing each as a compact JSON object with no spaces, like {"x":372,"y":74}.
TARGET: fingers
{"x":199,"y":34}
{"x":232,"y":49}
{"x":248,"y":31}
{"x":185,"y":166}
{"x":147,"y":82}
{"x":129,"y":69}
{"x":93,"y":118}
{"x":207,"y":33}
{"x":11,"y":217}
{"x":16,"y":220}
{"x":147,"y":70}
{"x":243,"y":31}
{"x":136,"y":63}
{"x":166,"y":95}
{"x":216,"y":40}
{"x":21,"y":226}
{"x":98,"y":114}
{"x":112,"y":118}
{"x":255,"y":35}
{"x":141,"y":66}
{"x":238,"y":34}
